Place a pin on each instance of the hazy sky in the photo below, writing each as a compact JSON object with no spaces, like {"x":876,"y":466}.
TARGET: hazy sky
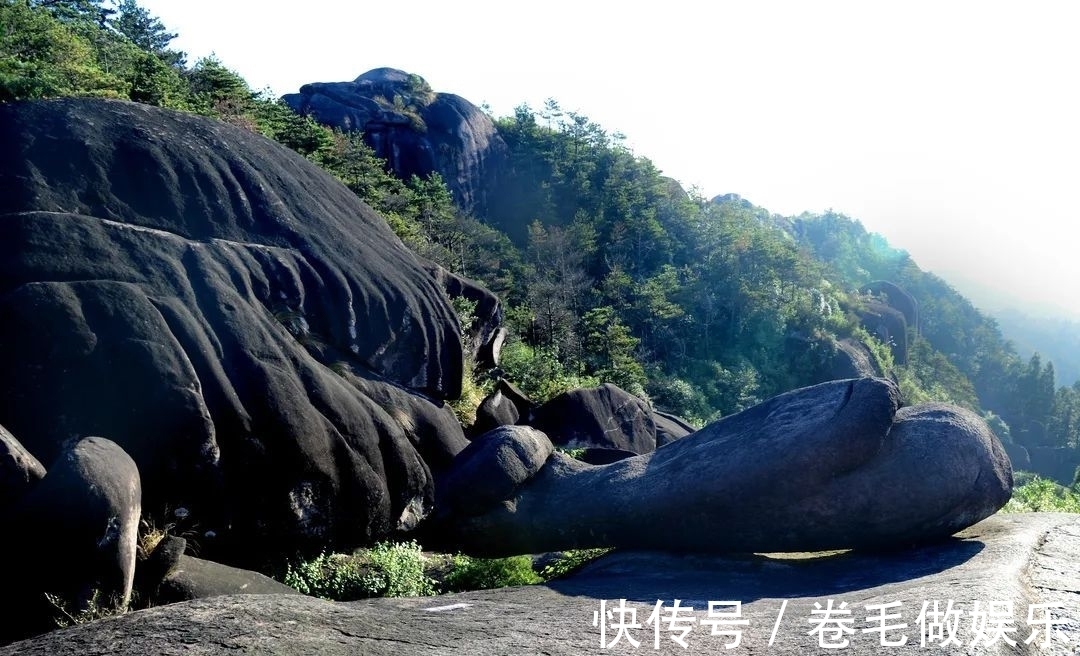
{"x":949,"y":127}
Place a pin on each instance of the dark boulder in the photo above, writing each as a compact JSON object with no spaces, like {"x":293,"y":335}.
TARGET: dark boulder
{"x":887,"y":324}
{"x":525,"y":406}
{"x":75,"y":534}
{"x":604,"y":416}
{"x":416,"y":130}
{"x":257,"y":338}
{"x":152,"y":568}
{"x":494,"y":411}
{"x":19,"y":470}
{"x":195,"y":578}
{"x":487,"y":315}
{"x":897,"y":298}
{"x":850,"y":358}
{"x":670,"y":428}
{"x":817,"y":468}
{"x":492,"y":468}
{"x":490,"y":354}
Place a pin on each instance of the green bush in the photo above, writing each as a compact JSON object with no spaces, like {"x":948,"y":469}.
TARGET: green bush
{"x":483,"y":573}
{"x":571,"y":561}
{"x":399,"y":570}
{"x":1042,"y":495}
{"x":386,"y":570}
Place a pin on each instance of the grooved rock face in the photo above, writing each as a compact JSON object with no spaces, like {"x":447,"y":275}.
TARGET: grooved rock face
{"x":251,"y":333}
{"x":416,"y":130}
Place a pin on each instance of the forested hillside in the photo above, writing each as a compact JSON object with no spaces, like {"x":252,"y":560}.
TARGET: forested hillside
{"x":609,"y":271}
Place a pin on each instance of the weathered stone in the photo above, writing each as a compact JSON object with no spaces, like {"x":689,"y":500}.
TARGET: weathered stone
{"x":849,"y":359}
{"x":897,"y":298}
{"x":604,"y":416}
{"x":195,"y":578}
{"x":670,"y":428}
{"x":490,"y":353}
{"x":887,"y":324}
{"x":258,"y":340}
{"x":418,"y":131}
{"x":806,"y":470}
{"x":1015,"y":559}
{"x":75,"y":534}
{"x":155,"y":566}
{"x":494,"y":411}
{"x":487,"y":315}
{"x":491,"y":469}
{"x":19,"y":470}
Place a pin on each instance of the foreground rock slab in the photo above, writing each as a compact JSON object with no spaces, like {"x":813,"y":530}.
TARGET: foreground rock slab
{"x":1016,"y":559}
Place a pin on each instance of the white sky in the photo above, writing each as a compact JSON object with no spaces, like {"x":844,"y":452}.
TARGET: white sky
{"x":949,"y":127}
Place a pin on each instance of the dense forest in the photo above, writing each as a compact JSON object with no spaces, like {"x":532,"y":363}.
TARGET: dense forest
{"x":609,"y":272}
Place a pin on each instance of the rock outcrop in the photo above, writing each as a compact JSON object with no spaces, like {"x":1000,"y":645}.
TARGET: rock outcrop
{"x":887,"y":324}
{"x":415,"y":129}
{"x":816,"y":468}
{"x":605,"y":416}
{"x":1019,"y":560}
{"x":897,"y":298}
{"x":19,"y":471}
{"x":74,"y":535}
{"x":850,"y":358}
{"x":256,"y":338}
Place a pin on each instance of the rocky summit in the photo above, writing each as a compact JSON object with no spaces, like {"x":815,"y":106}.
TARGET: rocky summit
{"x":418,"y":131}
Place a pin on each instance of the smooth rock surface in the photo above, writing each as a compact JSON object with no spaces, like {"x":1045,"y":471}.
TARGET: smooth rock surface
{"x":604,"y":416}
{"x":1018,"y":559}
{"x":74,"y":535}
{"x":254,"y":336}
{"x":832,"y":466}
{"x":492,"y":468}
{"x":19,"y":470}
{"x":195,"y":578}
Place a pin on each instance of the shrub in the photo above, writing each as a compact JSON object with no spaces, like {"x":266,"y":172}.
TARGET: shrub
{"x":483,"y":573}
{"x":1042,"y":495}
{"x":386,"y":570}
{"x":399,"y":570}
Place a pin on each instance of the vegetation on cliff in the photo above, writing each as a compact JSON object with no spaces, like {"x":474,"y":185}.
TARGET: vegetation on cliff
{"x":609,"y":271}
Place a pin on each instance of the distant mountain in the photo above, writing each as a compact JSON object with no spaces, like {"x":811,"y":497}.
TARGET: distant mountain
{"x":1055,"y":339}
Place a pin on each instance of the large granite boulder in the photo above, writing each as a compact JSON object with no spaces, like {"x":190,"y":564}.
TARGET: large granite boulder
{"x":887,"y":324}
{"x":195,"y":578}
{"x":897,"y":298}
{"x":849,"y":358}
{"x":417,"y":131}
{"x":268,"y":352}
{"x":670,"y":427}
{"x":491,"y":469}
{"x":19,"y":470}
{"x":1019,"y":560}
{"x":74,"y":535}
{"x":834,"y":466}
{"x":605,"y":416}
